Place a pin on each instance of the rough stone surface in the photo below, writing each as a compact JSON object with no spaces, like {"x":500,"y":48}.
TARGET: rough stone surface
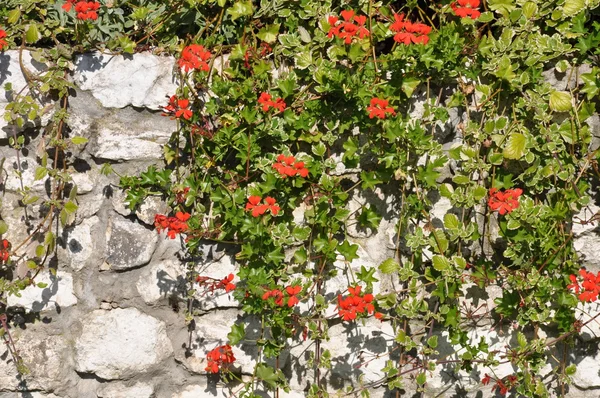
{"x":120,"y":390}
{"x":143,"y":80}
{"x":166,"y":278}
{"x":81,"y":243}
{"x":129,"y":244}
{"x":56,"y":295}
{"x":120,"y":343}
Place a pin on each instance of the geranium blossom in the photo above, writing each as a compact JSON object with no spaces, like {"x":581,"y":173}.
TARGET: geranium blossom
{"x":288,"y":167}
{"x":258,"y":208}
{"x":85,"y":9}
{"x":354,"y":304}
{"x":173,"y":225}
{"x":351,"y":26}
{"x":3,"y":43}
{"x":4,"y":250}
{"x":379,"y":108}
{"x":588,"y":288}
{"x":267,"y":102}
{"x":219,"y":358}
{"x":179,"y":107}
{"x":466,"y":8}
{"x":194,"y":57}
{"x":408,"y":32}
{"x":504,"y":202}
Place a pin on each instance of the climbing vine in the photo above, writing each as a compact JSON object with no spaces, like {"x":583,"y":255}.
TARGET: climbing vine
{"x":291,"y":114}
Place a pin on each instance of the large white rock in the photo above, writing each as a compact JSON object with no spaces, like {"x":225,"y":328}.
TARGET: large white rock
{"x":56,"y":295}
{"x":81,"y":243}
{"x":129,"y":244}
{"x":162,"y":279}
{"x":27,"y":169}
{"x":588,"y":369}
{"x":120,"y":390}
{"x":120,"y":343}
{"x":220,"y":267}
{"x":45,"y":354}
{"x":141,"y":80}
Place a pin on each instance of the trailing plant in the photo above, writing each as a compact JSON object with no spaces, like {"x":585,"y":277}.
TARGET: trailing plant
{"x":290,"y":112}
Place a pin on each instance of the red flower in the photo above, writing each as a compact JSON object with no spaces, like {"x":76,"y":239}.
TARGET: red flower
{"x":85,"y":9}
{"x":504,"y":202}
{"x":173,"y":225}
{"x":466,"y":8}
{"x":193,"y":57}
{"x":226,"y":283}
{"x":408,"y":32}
{"x":267,"y":102}
{"x":486,"y":380}
{"x":260,"y":209}
{"x":347,"y":30}
{"x":288,"y":167}
{"x":379,"y":108}
{"x":589,"y":289}
{"x":219,"y":358}
{"x":276,"y":294}
{"x":4,"y":250}
{"x":3,"y":43}
{"x":351,"y":306}
{"x":292,"y":291}
{"x":379,"y":316}
{"x":178,"y":106}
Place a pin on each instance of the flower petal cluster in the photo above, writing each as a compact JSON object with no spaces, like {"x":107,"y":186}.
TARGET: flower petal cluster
{"x":219,"y":358}
{"x":212,"y":284}
{"x":288,"y":167}
{"x":194,"y":57}
{"x":179,"y":107}
{"x":86,"y":10}
{"x":4,"y":250}
{"x":258,"y":208}
{"x":351,"y":26}
{"x":3,"y":43}
{"x":266,"y":101}
{"x":408,"y":32}
{"x":379,"y":108}
{"x":504,"y":202}
{"x":588,"y":288}
{"x":173,"y":225}
{"x":355,"y":304}
{"x":278,"y":295}
{"x":466,"y":8}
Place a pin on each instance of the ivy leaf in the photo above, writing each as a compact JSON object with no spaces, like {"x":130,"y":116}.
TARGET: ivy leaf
{"x":348,"y":250}
{"x":269,"y":33}
{"x":267,"y":374}
{"x":367,"y":276}
{"x":515,"y":146}
{"x":560,"y":101}
{"x":240,"y":9}
{"x":369,"y":218}
{"x":389,"y":266}
{"x":409,"y":85}
{"x":33,"y":34}
{"x":237,"y":334}
{"x":369,"y":179}
{"x":591,"y":84}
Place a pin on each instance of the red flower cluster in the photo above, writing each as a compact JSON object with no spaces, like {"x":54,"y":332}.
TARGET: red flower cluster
{"x":219,"y":358}
{"x":260,"y":209}
{"x":173,"y":225}
{"x":288,"y":167}
{"x":466,"y":8}
{"x":178,"y":106}
{"x":350,"y":306}
{"x":379,"y":108}
{"x":193,"y":57}
{"x":408,"y":32}
{"x":292,"y":292}
{"x":589,"y":288}
{"x":504,"y":202}
{"x":3,"y":43}
{"x":212,"y":284}
{"x":267,"y":102}
{"x":4,"y":250}
{"x":85,"y":9}
{"x":346,"y":29}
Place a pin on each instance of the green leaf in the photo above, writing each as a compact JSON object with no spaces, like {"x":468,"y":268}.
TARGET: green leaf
{"x":31,"y":264}
{"x":570,"y":370}
{"x":389,"y":266}
{"x":513,"y":224}
{"x":70,"y":207}
{"x":3,"y":227}
{"x":240,"y":9}
{"x":79,"y":140}
{"x":42,"y":285}
{"x":515,"y":146}
{"x":451,"y":221}
{"x":127,"y":45}
{"x":13,"y":16}
{"x":304,"y":35}
{"x":269,"y":33}
{"x":236,"y":334}
{"x":348,"y":250}
{"x":267,"y":374}
{"x":409,"y":85}
{"x":303,"y":59}
{"x":32,"y":35}
{"x":560,"y":101}
{"x":432,"y":341}
{"x":573,"y":7}
{"x":421,"y":378}
{"x":440,"y":263}
{"x":40,"y":172}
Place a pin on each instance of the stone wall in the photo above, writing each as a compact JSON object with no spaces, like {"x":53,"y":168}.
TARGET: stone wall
{"x":111,"y":322}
